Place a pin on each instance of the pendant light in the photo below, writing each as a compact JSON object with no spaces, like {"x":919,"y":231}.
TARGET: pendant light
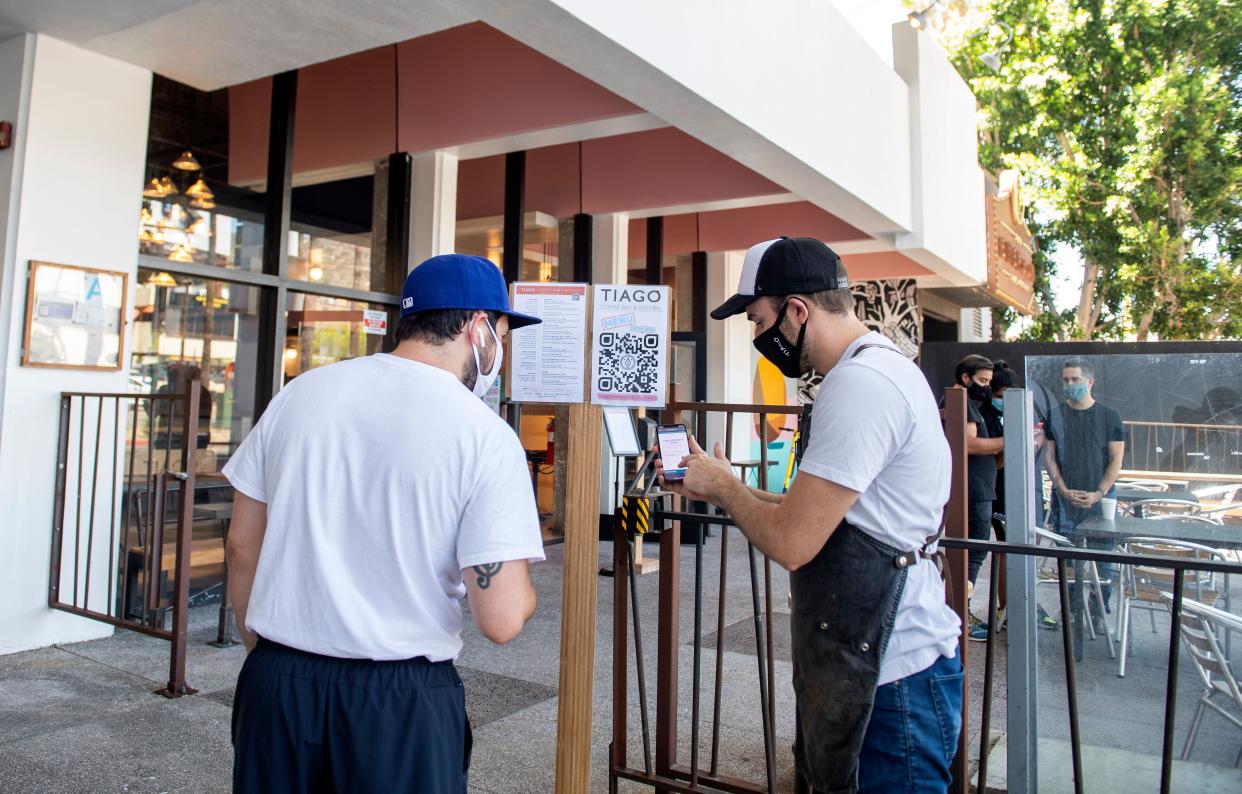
{"x":186,"y":162}
{"x":162,"y":279}
{"x":199,"y":190}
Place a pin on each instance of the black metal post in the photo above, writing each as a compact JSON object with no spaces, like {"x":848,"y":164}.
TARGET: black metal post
{"x":698,"y":278}
{"x":985,"y":722}
{"x":1170,"y":690}
{"x":655,"y":250}
{"x":638,"y":659}
{"x":1071,"y":687}
{"x":762,"y":655}
{"x":583,"y":241}
{"x":698,"y":656}
{"x":277,"y":206}
{"x":398,"y":202}
{"x":515,"y":190}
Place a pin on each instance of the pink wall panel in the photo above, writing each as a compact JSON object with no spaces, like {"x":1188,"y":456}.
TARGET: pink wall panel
{"x":345,"y":114}
{"x":734,"y":230}
{"x":661,"y":168}
{"x":472,"y":83}
{"x":887,"y":264}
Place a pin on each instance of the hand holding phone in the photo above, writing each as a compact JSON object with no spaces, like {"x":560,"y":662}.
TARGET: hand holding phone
{"x":674,"y":445}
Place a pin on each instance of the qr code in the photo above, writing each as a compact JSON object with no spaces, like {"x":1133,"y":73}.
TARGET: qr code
{"x":628,"y":363}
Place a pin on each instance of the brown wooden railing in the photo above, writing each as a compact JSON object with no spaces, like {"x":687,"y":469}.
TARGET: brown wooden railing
{"x":1180,"y":447}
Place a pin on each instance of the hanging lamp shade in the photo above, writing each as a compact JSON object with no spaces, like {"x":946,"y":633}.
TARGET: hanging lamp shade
{"x":154,"y":189}
{"x":186,"y":162}
{"x":168,"y":186}
{"x":162,"y":279}
{"x":199,"y":190}
{"x":181,"y":254}
{"x":203,"y":204}
{"x":145,"y":217}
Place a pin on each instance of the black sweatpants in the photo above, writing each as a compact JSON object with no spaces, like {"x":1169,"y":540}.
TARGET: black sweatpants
{"x":309,"y":723}
{"x":979,"y":526}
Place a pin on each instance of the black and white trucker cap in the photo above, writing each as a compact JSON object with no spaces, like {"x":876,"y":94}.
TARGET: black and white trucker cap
{"x":784,"y":266}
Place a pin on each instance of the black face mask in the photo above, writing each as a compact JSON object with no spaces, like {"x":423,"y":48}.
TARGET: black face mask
{"x":980,"y":394}
{"x":773,"y":346}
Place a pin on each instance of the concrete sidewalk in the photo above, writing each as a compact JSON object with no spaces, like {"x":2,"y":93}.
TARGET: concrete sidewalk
{"x":83,"y":717}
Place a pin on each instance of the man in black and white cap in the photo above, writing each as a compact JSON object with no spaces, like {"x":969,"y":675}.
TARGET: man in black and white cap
{"x":876,"y":673}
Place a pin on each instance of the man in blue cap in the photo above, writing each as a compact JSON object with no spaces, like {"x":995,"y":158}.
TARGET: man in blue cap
{"x":372,"y":496}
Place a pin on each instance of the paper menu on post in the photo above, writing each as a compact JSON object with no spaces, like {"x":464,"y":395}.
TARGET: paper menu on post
{"x":549,"y":359}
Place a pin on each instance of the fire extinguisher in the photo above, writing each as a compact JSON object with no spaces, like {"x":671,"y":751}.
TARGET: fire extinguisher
{"x":551,"y":441}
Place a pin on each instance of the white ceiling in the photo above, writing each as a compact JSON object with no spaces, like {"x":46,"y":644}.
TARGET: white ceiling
{"x":213,"y":43}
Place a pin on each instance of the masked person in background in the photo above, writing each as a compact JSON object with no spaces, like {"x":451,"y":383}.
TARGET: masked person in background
{"x":876,"y":673}
{"x":983,"y":448}
{"x":1083,"y":451}
{"x":372,"y":496}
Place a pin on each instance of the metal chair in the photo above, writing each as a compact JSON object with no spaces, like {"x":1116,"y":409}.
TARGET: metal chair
{"x":1202,"y":626}
{"x":1142,"y":585}
{"x":1093,"y":583}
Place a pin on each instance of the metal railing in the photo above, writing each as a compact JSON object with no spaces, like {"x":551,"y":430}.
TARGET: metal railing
{"x":124,"y":463}
{"x":1180,"y":447}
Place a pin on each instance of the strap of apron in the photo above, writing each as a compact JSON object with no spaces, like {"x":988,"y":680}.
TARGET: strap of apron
{"x":908,"y":558}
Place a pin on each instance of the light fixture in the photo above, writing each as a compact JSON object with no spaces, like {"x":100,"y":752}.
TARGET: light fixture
{"x":203,"y":204}
{"x":199,"y":190}
{"x":167,"y":185}
{"x":315,"y":273}
{"x":922,"y":19}
{"x":162,"y":279}
{"x":186,"y":162}
{"x":194,"y":223}
{"x":145,"y":217}
{"x":180,"y":253}
{"x":991,"y":60}
{"x":291,"y":353}
{"x":154,"y":189}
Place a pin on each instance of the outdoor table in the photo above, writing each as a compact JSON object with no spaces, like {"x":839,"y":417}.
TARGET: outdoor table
{"x":747,"y":465}
{"x":1129,"y":493}
{"x":1124,"y":528}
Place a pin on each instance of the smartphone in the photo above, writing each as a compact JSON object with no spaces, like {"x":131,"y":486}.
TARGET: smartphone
{"x":674,"y":448}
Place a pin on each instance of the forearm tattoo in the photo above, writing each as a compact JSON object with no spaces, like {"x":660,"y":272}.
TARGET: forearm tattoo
{"x":486,"y":573}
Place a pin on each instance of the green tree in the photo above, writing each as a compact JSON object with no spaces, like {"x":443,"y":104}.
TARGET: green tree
{"x":1125,"y":119}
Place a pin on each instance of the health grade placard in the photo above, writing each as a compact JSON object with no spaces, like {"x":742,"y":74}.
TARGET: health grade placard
{"x":629,"y":359}
{"x":549,"y":359}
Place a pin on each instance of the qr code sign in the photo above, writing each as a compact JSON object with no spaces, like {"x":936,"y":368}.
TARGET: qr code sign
{"x":628,"y":363}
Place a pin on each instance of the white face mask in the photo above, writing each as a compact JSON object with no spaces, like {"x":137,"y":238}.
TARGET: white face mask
{"x":483,"y":381}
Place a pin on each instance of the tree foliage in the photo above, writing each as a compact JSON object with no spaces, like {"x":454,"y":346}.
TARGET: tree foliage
{"x":1125,"y":119}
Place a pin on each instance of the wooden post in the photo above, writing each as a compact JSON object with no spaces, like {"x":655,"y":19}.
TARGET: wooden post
{"x":574,"y":707}
{"x":956,"y":578}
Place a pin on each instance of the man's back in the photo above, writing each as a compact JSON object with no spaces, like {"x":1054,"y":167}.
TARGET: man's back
{"x":383,"y":478}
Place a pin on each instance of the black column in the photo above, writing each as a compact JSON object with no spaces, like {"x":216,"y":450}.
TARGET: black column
{"x":515,"y":189}
{"x":655,"y":250}
{"x":698,"y":291}
{"x":397,"y":229}
{"x":582,"y":248}
{"x":275,"y":233}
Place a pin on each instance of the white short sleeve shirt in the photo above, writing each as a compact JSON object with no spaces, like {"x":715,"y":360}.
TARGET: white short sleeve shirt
{"x":876,"y":430}
{"x":383,"y":479}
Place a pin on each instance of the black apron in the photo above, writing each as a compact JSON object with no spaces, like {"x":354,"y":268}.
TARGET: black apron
{"x":844,"y":605}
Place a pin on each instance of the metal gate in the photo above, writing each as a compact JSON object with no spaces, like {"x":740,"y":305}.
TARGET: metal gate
{"x":123,"y":514}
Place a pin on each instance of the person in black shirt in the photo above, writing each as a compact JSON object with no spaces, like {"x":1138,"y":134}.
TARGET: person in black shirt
{"x":974,"y":373}
{"x":1083,"y":451}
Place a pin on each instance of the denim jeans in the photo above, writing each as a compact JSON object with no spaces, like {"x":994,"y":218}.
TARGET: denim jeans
{"x":912,"y":736}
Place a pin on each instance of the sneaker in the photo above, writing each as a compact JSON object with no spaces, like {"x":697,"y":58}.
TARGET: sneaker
{"x":1044,"y":620}
{"x":978,"y":630}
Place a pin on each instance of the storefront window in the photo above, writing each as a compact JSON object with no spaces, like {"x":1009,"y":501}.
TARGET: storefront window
{"x":228,"y":239}
{"x":188,"y":328}
{"x":335,"y":260}
{"x":322,"y":330}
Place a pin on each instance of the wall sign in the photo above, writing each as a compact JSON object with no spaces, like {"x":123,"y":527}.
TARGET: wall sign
{"x":629,"y":358}
{"x":75,"y":317}
{"x":1011,"y":249}
{"x":375,"y":321}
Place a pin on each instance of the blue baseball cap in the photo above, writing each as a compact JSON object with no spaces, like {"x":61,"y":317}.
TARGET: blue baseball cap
{"x":459,"y":281}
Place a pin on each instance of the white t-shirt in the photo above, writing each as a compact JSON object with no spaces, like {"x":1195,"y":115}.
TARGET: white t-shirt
{"x":875,"y":429}
{"x":383,"y":479}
